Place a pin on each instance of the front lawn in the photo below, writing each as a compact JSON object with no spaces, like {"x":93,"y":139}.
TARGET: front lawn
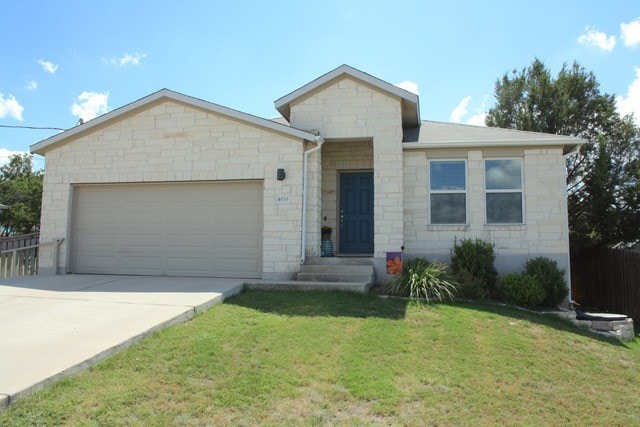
{"x":334,"y":358}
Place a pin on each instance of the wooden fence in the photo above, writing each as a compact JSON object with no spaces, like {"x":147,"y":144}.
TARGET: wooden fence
{"x":19,"y":263}
{"x":607,"y":279}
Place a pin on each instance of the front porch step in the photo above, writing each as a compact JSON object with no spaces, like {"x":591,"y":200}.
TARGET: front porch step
{"x":338,"y":260}
{"x":333,"y":277}
{"x":302,"y":285}
{"x":323,"y":277}
{"x":337,"y":268}
{"x":335,"y":273}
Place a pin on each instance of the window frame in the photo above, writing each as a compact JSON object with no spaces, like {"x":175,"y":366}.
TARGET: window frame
{"x":465,"y":191}
{"x":520,"y":190}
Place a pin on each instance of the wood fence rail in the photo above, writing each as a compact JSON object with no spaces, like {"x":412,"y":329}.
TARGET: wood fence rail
{"x":19,"y":263}
{"x":12,"y":242}
{"x":607,"y":279}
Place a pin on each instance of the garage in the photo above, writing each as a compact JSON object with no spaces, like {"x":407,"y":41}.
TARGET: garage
{"x":199,"y":229}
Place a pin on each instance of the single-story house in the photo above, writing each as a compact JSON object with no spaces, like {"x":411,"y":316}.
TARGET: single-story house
{"x":175,"y":185}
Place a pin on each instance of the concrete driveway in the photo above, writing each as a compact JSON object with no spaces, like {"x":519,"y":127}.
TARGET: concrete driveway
{"x":54,"y":326}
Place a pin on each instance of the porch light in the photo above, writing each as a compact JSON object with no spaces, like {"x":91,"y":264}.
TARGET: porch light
{"x":281,"y":175}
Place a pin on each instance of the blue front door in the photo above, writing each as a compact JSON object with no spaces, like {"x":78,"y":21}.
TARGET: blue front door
{"x":356,"y":213}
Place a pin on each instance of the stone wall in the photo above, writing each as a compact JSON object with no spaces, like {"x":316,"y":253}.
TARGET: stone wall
{"x":346,"y":109}
{"x":174,"y":142}
{"x":545,"y":228}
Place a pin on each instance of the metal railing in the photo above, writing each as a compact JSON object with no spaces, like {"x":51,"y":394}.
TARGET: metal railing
{"x":24,"y":261}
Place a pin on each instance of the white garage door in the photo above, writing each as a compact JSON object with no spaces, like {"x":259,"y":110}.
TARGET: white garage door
{"x":185,"y":229}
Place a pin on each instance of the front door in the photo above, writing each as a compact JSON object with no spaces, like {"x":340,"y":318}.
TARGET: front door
{"x":356,"y":213}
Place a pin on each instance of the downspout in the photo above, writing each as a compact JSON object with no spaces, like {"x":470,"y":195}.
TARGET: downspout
{"x":319,"y":140}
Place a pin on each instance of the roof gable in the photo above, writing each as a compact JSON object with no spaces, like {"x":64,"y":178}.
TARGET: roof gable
{"x":165,"y":95}
{"x":410,"y":104}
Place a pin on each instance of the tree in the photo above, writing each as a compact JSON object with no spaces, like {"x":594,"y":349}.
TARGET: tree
{"x":21,"y":192}
{"x":602,"y":179}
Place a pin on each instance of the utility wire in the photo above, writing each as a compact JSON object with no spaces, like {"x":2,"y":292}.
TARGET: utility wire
{"x":30,"y":127}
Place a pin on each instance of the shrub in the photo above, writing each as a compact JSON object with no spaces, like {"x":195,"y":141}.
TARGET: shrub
{"x":551,"y":279}
{"x":522,"y":290}
{"x":424,"y":280}
{"x":470,"y":287}
{"x":472,"y":263}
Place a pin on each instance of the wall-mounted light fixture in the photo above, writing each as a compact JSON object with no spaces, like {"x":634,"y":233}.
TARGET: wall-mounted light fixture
{"x":281,"y":175}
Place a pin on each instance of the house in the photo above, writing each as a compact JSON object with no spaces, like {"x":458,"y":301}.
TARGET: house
{"x":174,"y":185}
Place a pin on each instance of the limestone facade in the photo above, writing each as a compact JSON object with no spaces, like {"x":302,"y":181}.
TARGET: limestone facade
{"x":172,"y":142}
{"x":364,"y":127}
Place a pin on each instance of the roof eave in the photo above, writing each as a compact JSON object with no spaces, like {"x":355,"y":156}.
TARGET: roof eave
{"x":568,"y":147}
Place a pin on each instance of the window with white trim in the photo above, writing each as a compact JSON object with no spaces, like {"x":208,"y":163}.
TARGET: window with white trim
{"x":448,"y":191}
{"x":504,"y":195}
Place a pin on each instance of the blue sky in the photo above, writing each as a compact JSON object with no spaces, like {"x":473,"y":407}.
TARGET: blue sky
{"x":63,"y":60}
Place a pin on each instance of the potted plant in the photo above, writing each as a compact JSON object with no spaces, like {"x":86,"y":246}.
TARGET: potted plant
{"x":326,"y":232}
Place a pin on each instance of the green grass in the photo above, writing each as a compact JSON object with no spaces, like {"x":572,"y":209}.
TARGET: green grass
{"x":330,"y":358}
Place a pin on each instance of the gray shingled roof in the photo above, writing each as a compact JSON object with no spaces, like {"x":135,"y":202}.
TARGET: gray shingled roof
{"x":441,"y":134}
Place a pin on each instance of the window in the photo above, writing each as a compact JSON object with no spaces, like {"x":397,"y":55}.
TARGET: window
{"x":503,"y":181}
{"x":448,"y":185}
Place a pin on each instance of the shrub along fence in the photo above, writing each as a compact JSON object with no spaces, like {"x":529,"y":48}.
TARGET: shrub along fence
{"x":19,"y":263}
{"x":607,"y":279}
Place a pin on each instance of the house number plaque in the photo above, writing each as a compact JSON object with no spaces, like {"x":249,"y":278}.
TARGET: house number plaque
{"x":283,"y":199}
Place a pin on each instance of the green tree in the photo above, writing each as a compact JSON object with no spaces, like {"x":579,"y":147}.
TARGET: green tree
{"x":21,"y":192}
{"x":602,"y":179}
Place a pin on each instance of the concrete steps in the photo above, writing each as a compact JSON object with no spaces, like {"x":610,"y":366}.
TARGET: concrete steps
{"x":325,"y":274}
{"x":335,"y":273}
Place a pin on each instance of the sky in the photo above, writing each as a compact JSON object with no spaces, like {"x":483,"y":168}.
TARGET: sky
{"x":65,"y":60}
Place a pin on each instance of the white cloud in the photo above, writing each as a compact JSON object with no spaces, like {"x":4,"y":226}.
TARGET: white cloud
{"x":10,"y":107}
{"x":89,"y":105}
{"x":477,"y":119}
{"x":126,"y":59}
{"x":32,"y":85}
{"x":631,"y":103}
{"x":458,"y":113}
{"x":48,"y":66}
{"x":408,"y":86}
{"x":5,"y":154}
{"x":37,"y":161}
{"x":594,"y":38}
{"x":481,"y":114}
{"x":630,"y":33}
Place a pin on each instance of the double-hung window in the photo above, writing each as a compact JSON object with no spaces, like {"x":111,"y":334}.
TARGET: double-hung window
{"x":504,"y":195}
{"x":448,"y":191}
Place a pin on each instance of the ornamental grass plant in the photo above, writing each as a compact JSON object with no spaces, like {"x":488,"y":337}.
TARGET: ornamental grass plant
{"x":421,"y":279}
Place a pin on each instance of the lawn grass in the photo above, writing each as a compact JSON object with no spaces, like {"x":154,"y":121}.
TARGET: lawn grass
{"x":334,"y":358}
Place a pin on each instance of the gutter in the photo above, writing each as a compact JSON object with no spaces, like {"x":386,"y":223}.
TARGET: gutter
{"x":318,"y":140}
{"x":574,"y":146}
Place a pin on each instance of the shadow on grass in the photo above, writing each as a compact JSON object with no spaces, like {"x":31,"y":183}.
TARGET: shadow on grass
{"x":343,"y":304}
{"x":321,"y":304}
{"x":549,"y":320}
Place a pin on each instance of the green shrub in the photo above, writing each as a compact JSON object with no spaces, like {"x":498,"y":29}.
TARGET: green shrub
{"x":522,"y":290}
{"x":473,"y":264}
{"x":424,"y":280}
{"x":471,"y":288}
{"x":551,"y":279}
